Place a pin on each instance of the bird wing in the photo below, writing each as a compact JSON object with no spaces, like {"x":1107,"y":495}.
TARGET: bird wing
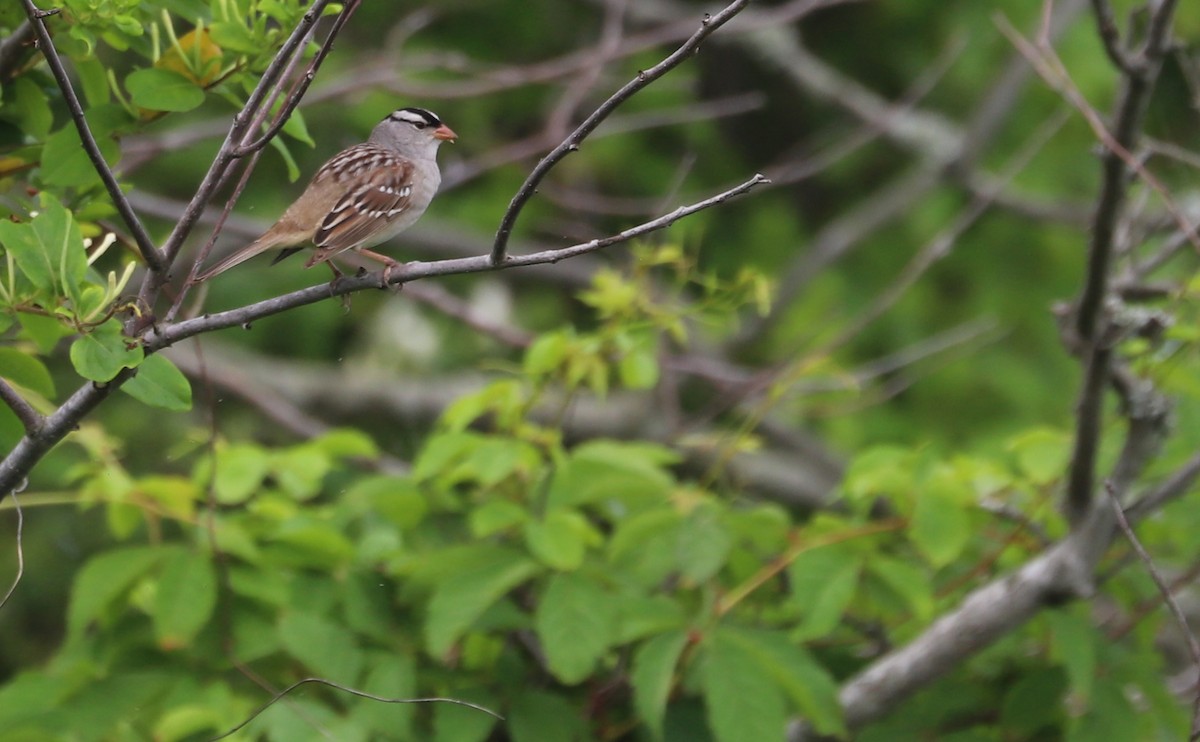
{"x":365,"y":212}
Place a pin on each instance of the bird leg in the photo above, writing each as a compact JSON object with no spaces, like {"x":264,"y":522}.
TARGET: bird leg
{"x":388,"y":265}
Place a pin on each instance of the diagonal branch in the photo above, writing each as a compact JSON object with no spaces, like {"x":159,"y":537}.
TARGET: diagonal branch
{"x":30,"y":449}
{"x":144,"y":244}
{"x":571,"y":144}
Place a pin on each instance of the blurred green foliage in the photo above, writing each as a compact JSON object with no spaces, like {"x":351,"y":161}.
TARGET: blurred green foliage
{"x":583,"y":588}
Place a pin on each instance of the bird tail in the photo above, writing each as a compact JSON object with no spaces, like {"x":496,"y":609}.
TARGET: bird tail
{"x":259,"y":246}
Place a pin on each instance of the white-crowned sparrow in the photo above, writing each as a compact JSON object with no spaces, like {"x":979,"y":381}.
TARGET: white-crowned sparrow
{"x":363,"y":196}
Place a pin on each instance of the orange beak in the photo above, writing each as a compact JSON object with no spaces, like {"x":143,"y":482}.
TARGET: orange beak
{"x":445,"y":133}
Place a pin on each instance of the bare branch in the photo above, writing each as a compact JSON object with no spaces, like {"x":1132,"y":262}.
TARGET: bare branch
{"x":145,"y":245}
{"x":30,"y":418}
{"x":162,"y":337}
{"x":572,"y":142}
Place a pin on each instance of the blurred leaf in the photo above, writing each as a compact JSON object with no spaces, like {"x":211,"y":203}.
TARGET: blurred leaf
{"x":940,"y":527}
{"x":496,"y":516}
{"x":704,"y":545}
{"x":807,"y":683}
{"x":1074,"y":646}
{"x":324,"y":647}
{"x":239,"y":473}
{"x":396,"y":498}
{"x":185,"y":599}
{"x":26,"y":371}
{"x":459,"y":601}
{"x":538,"y":716}
{"x":300,"y":471}
{"x":824,"y":581}
{"x":743,"y":702}
{"x":559,"y":539}
{"x":638,"y":369}
{"x":1042,"y":454}
{"x":159,"y":383}
{"x":653,"y":676}
{"x":104,"y":578}
{"x":574,"y":621}
{"x":163,"y":90}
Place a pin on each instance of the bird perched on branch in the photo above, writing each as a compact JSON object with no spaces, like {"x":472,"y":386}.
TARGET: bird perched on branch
{"x":363,"y":196}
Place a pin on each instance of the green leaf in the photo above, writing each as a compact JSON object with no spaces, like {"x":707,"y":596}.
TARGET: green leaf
{"x":537,"y":716}
{"x":185,"y":599}
{"x":638,"y":369}
{"x":325,"y":647}
{"x":65,"y":163}
{"x":163,"y":90}
{"x":940,"y":527}
{"x":1109,"y":716}
{"x":28,"y":107}
{"x":546,"y":353}
{"x":389,"y":675}
{"x":396,"y":498}
{"x":909,"y":581}
{"x":297,"y":129}
{"x":454,"y":723}
{"x":1041,"y":454}
{"x":495,"y":516}
{"x":610,"y":470}
{"x":102,"y":353}
{"x":704,"y":544}
{"x":1035,"y":702}
{"x":48,"y":249}
{"x":807,"y":683}
{"x":45,"y":332}
{"x":574,"y":621}
{"x":27,"y":371}
{"x":653,"y":676}
{"x":559,"y":539}
{"x":159,"y":383}
{"x":300,"y":471}
{"x":104,"y":578}
{"x":240,"y":472}
{"x":1074,"y":647}
{"x":824,"y":581}
{"x":744,"y":704}
{"x":460,"y":600}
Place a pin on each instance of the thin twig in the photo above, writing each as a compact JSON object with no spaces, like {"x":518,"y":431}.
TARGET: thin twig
{"x":353,"y":692}
{"x":1168,"y":599}
{"x":144,"y":244}
{"x":30,"y":418}
{"x":572,"y":142}
{"x":20,"y":552}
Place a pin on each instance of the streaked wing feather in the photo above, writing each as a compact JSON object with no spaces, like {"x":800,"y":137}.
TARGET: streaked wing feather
{"x":366,"y":211}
